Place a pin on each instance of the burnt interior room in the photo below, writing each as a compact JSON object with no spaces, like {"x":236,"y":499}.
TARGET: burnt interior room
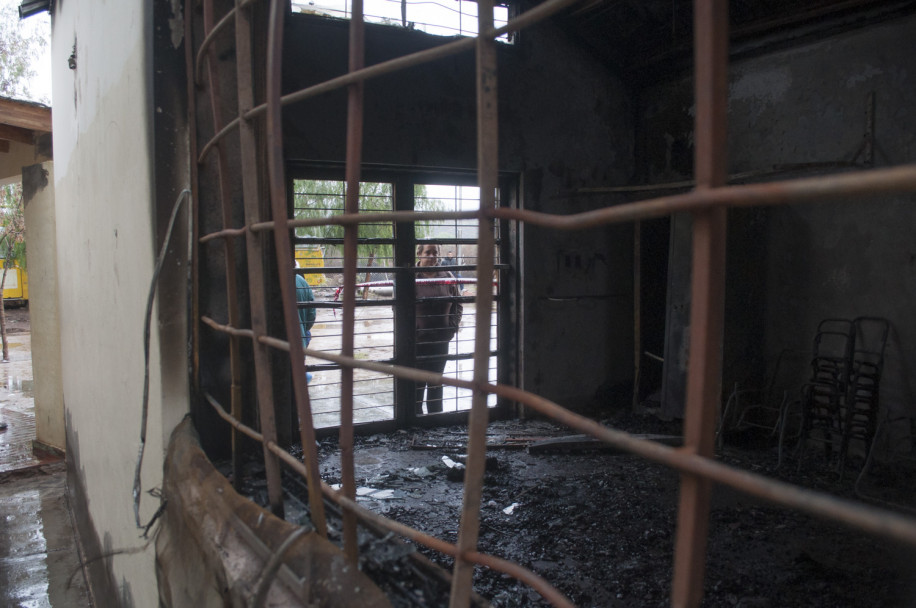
{"x":596,"y":109}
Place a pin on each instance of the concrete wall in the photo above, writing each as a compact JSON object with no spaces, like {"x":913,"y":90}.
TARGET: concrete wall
{"x":798,"y":265}
{"x":41,"y":234}
{"x":565,"y":123}
{"x":104,"y":193}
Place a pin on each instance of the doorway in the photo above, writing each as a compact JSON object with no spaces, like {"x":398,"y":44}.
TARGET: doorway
{"x":390,"y":295}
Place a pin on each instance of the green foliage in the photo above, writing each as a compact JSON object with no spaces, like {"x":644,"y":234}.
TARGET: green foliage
{"x":326,"y":198}
{"x":19,"y":47}
{"x":12,"y":225}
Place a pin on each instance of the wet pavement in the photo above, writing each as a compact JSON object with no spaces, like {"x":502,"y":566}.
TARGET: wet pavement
{"x":373,"y":392}
{"x":39,"y":560}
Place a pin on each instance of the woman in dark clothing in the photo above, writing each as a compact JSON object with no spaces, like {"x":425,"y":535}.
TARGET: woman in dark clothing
{"x":438,"y":317}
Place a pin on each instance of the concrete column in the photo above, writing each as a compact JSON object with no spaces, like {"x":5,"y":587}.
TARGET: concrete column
{"x":41,"y":254}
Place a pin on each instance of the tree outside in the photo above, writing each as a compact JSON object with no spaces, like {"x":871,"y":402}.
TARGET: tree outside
{"x":325,"y":198}
{"x":12,"y":246}
{"x":21,"y":46}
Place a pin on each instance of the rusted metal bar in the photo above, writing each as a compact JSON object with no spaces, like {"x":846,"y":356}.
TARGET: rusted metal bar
{"x":285,"y":261}
{"x":351,"y":254}
{"x":494,"y":563}
{"x":707,"y":303}
{"x":228,"y":329}
{"x":214,"y":32}
{"x":488,"y":181}
{"x":870,"y":520}
{"x":867,"y":519}
{"x":210,"y":35}
{"x":825,"y":189}
{"x":345,"y":219}
{"x":249,"y":164}
{"x":265,"y":580}
{"x":531,"y":17}
{"x":547,"y":591}
{"x":225,"y":234}
{"x":896,"y":180}
{"x":235,"y":363}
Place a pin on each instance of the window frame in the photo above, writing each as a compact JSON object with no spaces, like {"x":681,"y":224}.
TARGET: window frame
{"x":507,"y":330}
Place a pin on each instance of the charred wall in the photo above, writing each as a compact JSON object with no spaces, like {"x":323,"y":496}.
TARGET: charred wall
{"x":565,"y":124}
{"x":799,"y":112}
{"x":222,"y":264}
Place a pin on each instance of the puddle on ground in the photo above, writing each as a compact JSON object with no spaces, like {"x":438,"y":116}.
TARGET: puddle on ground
{"x":16,"y":384}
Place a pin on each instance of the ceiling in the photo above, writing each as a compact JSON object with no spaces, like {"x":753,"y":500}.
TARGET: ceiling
{"x":645,"y":39}
{"x":25,"y":136}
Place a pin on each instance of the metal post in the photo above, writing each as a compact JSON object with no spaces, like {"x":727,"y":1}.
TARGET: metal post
{"x":707,"y":289}
{"x":351,"y":254}
{"x":255,"y":253}
{"x":235,"y":363}
{"x":285,"y":260}
{"x":488,"y":172}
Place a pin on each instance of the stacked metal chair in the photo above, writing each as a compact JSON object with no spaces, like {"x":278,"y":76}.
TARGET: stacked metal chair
{"x":861,"y":416}
{"x":824,"y":395}
{"x":840,"y":401}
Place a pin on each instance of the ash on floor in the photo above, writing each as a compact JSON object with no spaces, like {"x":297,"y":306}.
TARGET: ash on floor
{"x":600,"y":526}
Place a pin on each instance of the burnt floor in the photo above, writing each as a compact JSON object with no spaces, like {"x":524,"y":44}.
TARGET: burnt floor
{"x":600,"y":526}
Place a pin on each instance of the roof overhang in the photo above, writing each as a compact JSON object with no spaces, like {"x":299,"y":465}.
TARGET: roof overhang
{"x":33,"y":7}
{"x":25,"y":136}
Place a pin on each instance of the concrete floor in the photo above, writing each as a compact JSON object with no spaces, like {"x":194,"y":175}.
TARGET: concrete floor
{"x":39,"y":560}
{"x":373,"y":393}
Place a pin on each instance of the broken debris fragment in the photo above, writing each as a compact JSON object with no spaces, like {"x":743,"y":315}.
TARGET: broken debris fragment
{"x":455,"y":471}
{"x":367,"y":493}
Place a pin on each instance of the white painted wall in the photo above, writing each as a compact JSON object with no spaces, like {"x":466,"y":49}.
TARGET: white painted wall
{"x":103,"y":153}
{"x":41,"y":235}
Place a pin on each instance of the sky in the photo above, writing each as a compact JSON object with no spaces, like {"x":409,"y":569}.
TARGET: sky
{"x":442,"y":17}
{"x":40,"y":85}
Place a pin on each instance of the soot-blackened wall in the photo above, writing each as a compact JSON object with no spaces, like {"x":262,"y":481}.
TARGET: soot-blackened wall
{"x":564,"y":124}
{"x":790,"y":267}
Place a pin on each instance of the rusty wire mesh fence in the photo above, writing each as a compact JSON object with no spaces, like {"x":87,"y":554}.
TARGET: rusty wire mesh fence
{"x":248,"y":143}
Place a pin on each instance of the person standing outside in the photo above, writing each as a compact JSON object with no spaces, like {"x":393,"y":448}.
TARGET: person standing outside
{"x":438,"y":317}
{"x":306,"y":313}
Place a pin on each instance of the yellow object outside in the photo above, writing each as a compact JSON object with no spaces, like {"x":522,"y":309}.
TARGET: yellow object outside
{"x":311,"y":257}
{"x":16,"y":283}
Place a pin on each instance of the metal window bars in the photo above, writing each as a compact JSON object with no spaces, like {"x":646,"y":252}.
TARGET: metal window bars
{"x":707,"y":202}
{"x":448,"y":18}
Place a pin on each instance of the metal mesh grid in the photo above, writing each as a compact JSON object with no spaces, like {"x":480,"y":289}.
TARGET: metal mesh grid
{"x":448,"y":18}
{"x":707,"y":202}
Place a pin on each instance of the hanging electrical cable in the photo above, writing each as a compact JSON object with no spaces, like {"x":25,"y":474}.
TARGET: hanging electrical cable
{"x":182,"y":196}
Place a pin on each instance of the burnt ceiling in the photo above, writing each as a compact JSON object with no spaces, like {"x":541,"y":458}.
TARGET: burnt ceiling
{"x":645,"y":39}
